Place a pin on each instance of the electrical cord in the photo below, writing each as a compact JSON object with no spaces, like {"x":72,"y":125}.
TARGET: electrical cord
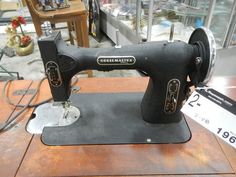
{"x":11,"y":119}
{"x":7,"y":99}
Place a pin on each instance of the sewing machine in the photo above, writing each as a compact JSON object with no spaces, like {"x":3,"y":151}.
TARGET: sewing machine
{"x":173,"y":66}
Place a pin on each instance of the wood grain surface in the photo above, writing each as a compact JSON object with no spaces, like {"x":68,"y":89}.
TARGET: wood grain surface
{"x":224,"y":85}
{"x":13,"y":143}
{"x":76,"y":8}
{"x":204,"y":155}
{"x":201,"y":155}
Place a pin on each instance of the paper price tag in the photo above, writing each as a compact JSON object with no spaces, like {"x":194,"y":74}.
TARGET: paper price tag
{"x":215,"y":112}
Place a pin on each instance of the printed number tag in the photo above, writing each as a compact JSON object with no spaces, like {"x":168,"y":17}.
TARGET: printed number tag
{"x":215,"y":112}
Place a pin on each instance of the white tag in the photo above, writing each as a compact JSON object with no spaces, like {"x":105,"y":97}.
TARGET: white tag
{"x":215,"y":112}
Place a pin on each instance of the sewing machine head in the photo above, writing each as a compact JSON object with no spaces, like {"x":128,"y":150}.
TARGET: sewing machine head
{"x":169,"y":65}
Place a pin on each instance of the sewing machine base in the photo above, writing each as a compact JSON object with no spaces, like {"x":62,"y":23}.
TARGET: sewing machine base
{"x":113,"y":118}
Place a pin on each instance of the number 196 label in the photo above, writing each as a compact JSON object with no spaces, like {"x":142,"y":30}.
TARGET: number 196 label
{"x":214,"y":112}
{"x":226,"y":135}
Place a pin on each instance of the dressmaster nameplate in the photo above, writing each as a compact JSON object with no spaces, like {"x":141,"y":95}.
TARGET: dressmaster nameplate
{"x":116,"y":60}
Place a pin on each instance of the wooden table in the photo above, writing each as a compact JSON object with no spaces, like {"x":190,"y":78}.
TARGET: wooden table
{"x":23,"y":154}
{"x":76,"y":14}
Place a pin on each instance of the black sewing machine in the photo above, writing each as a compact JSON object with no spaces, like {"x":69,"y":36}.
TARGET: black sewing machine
{"x":173,"y":66}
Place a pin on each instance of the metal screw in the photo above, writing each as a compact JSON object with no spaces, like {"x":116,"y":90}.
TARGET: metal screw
{"x":172,"y":28}
{"x":198,"y":60}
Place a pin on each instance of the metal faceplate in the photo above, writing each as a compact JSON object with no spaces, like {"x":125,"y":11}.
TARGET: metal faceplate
{"x":205,"y":36}
{"x":51,"y":115}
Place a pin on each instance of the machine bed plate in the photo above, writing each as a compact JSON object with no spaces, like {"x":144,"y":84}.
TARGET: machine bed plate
{"x":113,"y":118}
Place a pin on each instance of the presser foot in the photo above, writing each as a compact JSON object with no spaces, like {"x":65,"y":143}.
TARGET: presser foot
{"x":52,"y":115}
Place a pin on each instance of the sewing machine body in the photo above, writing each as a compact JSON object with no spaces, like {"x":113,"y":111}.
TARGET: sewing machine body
{"x":167,"y":63}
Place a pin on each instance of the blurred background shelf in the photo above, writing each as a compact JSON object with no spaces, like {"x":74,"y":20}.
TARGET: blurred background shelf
{"x":135,"y":16}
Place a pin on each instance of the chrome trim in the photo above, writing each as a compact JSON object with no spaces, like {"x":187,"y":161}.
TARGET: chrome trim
{"x":212,"y":47}
{"x":177,"y":95}
{"x":48,"y":73}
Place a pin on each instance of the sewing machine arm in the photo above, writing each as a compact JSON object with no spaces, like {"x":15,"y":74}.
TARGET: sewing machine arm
{"x":167,"y":63}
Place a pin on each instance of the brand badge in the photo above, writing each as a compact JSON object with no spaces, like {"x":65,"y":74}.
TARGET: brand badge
{"x":116,"y":60}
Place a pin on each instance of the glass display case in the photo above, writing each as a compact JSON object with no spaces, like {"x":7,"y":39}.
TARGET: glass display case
{"x":222,"y":19}
{"x":120,"y":15}
{"x":184,"y":15}
{"x":230,"y":39}
{"x":151,"y":20}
